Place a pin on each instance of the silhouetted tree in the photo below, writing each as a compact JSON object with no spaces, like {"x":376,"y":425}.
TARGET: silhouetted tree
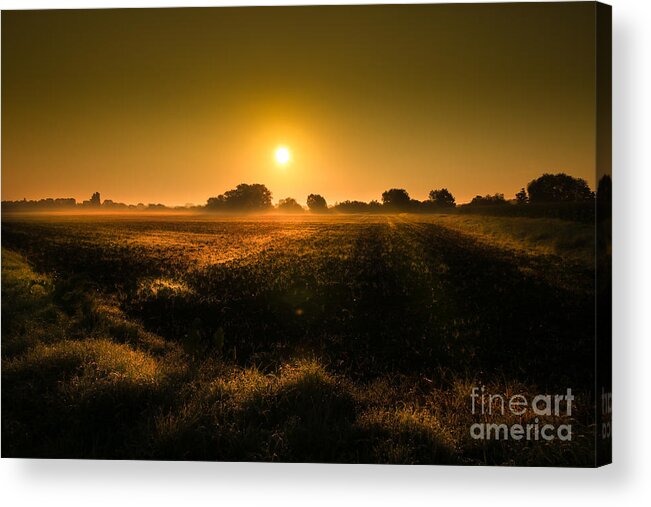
{"x":488,"y":200}
{"x":442,"y":198}
{"x":244,"y":197}
{"x":93,"y":202}
{"x":289,"y":205}
{"x":521,"y":197}
{"x":396,"y":199}
{"x":317,"y":203}
{"x":216,"y":203}
{"x":353,"y":207}
{"x":374,"y":206}
{"x":65,"y":202}
{"x":108,"y":203}
{"x":40,"y":205}
{"x":558,"y":188}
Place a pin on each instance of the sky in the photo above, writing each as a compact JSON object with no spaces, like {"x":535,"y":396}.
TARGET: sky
{"x":177,"y":105}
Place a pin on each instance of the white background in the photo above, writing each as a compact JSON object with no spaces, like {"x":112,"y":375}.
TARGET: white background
{"x":626,"y":482}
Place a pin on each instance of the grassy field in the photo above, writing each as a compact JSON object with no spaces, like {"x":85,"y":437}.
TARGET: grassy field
{"x":307,"y":338}
{"x":573,"y":241}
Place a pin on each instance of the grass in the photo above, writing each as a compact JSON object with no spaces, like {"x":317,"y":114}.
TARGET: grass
{"x":574,"y":241}
{"x":343,"y":339}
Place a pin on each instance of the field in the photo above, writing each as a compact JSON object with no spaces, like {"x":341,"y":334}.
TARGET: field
{"x":334,"y":338}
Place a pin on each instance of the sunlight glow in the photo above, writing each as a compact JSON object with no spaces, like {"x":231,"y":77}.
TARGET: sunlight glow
{"x":283,"y":155}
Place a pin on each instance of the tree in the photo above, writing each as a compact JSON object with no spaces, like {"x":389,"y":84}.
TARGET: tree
{"x":249,"y":197}
{"x":442,"y":198}
{"x":353,"y":207}
{"x":317,"y":203}
{"x":488,"y":200}
{"x":244,"y":197}
{"x":93,"y":202}
{"x":289,"y":205}
{"x":216,"y":203}
{"x":374,"y":206}
{"x":109,"y":203}
{"x":521,"y":197}
{"x":396,"y":198}
{"x":558,"y":188}
{"x":67,"y":203}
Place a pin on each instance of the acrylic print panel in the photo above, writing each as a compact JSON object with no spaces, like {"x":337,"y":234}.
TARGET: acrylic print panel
{"x":345,"y":234}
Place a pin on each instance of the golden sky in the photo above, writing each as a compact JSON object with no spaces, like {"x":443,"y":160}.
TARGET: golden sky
{"x":177,"y":105}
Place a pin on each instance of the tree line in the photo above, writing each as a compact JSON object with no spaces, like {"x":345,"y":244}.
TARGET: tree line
{"x":545,"y":190}
{"x":94,"y":203}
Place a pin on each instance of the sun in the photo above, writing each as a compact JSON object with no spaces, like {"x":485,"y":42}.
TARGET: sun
{"x":283,"y":155}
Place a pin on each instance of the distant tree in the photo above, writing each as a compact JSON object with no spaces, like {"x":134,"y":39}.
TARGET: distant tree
{"x":317,"y":203}
{"x":374,"y":206}
{"x":416,"y":206}
{"x":488,"y":200}
{"x":249,"y":197}
{"x":108,"y":203}
{"x":558,"y":188}
{"x":47,"y":204}
{"x":156,"y":206}
{"x":65,"y":202}
{"x":396,"y":199}
{"x":95,"y":200}
{"x":442,"y":198}
{"x":289,"y":205}
{"x":244,"y":197}
{"x":521,"y":197}
{"x":216,"y":203}
{"x":353,"y":207}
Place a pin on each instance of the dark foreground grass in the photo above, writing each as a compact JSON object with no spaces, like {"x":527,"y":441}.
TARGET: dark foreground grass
{"x":358,"y":344}
{"x":65,"y":395}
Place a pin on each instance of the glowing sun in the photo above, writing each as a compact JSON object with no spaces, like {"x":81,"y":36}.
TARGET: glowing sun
{"x":283,"y":155}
